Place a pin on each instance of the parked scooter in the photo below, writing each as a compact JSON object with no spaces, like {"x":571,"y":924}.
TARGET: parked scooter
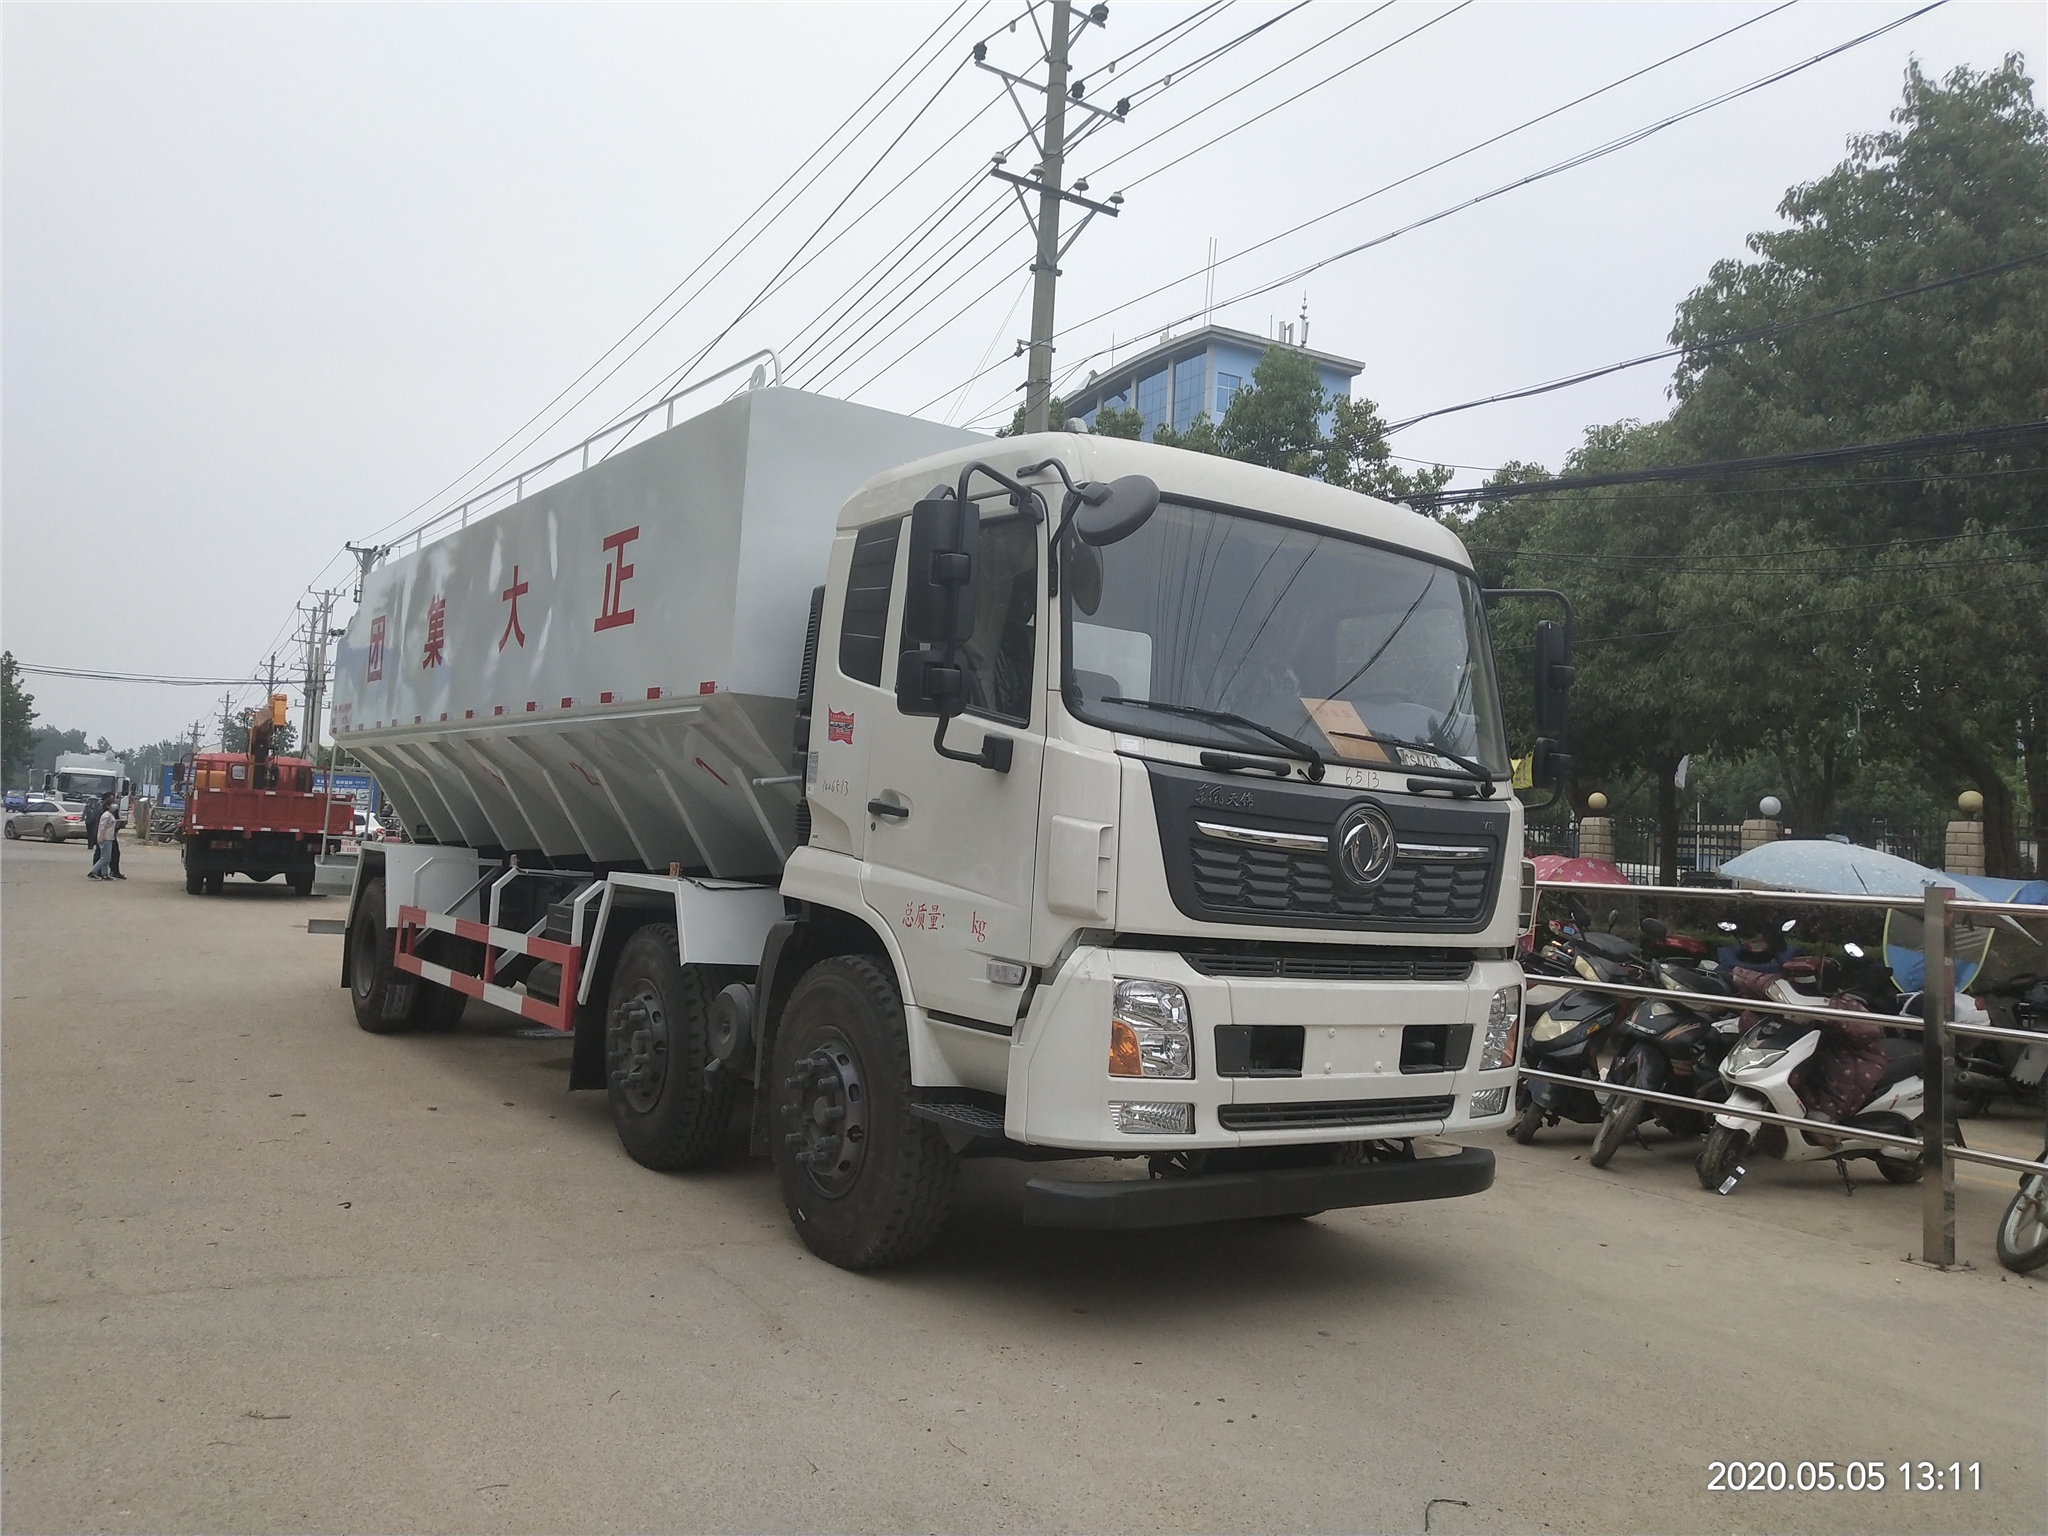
{"x":1774,"y":1067}
{"x":1988,"y":1070}
{"x":1564,"y":1035}
{"x":1668,"y":1047}
{"x":2023,"y":1230}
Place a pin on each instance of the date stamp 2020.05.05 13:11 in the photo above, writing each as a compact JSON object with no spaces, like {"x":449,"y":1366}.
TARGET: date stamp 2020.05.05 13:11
{"x":1845,"y":1477}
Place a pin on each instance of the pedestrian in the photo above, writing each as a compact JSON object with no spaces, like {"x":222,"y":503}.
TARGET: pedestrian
{"x":92,"y":830}
{"x":106,"y":843}
{"x":113,"y":840}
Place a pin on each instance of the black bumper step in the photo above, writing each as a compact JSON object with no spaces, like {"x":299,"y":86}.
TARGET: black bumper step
{"x":1131,"y":1204}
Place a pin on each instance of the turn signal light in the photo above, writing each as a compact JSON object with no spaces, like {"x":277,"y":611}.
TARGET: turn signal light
{"x":1124,"y":1060}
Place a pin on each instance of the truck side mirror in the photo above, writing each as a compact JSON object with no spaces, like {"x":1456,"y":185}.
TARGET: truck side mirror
{"x":1109,"y":514}
{"x":1548,"y":767}
{"x":938,"y":598}
{"x":930,"y":681}
{"x":1554,"y":673}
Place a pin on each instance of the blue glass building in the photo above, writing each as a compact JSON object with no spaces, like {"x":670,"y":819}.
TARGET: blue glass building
{"x":1194,"y":374}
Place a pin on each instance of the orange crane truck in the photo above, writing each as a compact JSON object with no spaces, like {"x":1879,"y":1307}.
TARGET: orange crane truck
{"x":257,"y":814}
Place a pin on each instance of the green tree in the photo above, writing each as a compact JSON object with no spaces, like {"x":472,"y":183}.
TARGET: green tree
{"x":17,"y":717}
{"x":1127,"y":423}
{"x":236,"y":738}
{"x":1960,"y":183}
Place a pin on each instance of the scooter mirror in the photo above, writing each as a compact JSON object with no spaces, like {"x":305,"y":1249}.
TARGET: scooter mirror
{"x":1725,"y":926}
{"x":1853,"y":951}
{"x":1652,"y":929}
{"x":1788,"y":925}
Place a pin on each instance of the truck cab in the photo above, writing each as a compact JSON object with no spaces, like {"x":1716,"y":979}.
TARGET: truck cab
{"x":1218,"y":851}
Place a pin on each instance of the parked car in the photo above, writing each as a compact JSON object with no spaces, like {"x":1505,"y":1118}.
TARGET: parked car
{"x":17,"y":799}
{"x":51,"y":820}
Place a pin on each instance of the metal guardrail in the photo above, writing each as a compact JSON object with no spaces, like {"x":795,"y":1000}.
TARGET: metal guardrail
{"x":517,"y":483}
{"x":1940,"y":1143}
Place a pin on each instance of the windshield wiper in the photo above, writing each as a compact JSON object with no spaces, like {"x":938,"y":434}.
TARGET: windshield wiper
{"x":1300,"y":749}
{"x":1471,"y":768}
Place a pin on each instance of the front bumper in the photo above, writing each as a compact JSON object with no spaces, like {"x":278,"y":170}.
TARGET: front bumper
{"x":1351,"y":1085}
{"x":1129,"y":1204}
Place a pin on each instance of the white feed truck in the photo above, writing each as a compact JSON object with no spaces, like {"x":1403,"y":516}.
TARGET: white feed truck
{"x":1048,"y":797}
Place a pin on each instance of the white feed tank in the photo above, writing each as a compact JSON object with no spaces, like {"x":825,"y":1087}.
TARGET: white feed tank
{"x":605,"y":669}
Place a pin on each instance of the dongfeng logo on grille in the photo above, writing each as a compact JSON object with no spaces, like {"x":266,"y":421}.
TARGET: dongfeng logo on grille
{"x":1365,"y":845}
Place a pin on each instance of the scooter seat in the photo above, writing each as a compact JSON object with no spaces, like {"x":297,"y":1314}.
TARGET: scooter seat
{"x":1903,"y":1059}
{"x":1609,"y":946}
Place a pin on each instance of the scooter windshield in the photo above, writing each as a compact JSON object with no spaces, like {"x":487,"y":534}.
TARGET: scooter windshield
{"x":1365,"y":654}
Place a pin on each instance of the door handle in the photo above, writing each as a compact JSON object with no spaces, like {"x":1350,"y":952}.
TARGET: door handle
{"x":885,"y":808}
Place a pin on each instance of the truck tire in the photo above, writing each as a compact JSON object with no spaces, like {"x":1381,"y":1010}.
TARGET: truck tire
{"x":669,"y":1102}
{"x":435,"y":1006}
{"x":195,"y":882}
{"x":865,"y":1181}
{"x":214,"y":882}
{"x":383,"y":994}
{"x":302,"y":885}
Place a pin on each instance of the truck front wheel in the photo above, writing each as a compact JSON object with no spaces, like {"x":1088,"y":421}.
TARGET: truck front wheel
{"x":669,"y":1099}
{"x":866,"y":1181}
{"x":382,"y":993}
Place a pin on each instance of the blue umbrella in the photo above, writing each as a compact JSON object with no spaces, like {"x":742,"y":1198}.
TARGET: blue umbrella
{"x":1831,"y":869}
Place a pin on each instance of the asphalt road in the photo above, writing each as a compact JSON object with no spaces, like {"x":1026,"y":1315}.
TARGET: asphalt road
{"x":263,"y":1271}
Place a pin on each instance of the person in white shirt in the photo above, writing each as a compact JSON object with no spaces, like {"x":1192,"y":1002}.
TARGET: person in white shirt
{"x":107,"y":829}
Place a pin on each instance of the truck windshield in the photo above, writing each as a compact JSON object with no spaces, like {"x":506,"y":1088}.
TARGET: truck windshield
{"x":1368,"y":655}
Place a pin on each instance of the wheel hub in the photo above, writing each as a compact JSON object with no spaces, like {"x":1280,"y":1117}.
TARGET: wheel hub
{"x":636,"y":1044}
{"x":828,"y":1105}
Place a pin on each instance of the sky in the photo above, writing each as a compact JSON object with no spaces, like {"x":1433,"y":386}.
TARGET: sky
{"x":277,"y":277}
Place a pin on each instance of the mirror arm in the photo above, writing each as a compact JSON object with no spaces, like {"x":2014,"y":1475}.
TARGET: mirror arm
{"x":995,"y":754}
{"x":1029,"y":502}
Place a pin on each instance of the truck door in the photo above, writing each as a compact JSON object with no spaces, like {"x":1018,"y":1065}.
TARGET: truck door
{"x":951,"y":847}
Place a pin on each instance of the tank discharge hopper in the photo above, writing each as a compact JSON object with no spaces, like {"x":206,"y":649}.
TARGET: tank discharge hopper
{"x":607,"y":669}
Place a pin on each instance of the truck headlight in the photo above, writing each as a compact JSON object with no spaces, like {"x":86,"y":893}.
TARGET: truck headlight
{"x":1150,"y":1032}
{"x":1501,"y":1021}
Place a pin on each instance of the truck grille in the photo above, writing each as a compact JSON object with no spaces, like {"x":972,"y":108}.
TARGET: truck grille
{"x":1336,"y":963}
{"x":1331,"y":1113}
{"x":1239,"y":878}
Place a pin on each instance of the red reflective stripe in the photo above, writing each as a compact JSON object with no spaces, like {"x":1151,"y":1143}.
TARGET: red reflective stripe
{"x":466,"y":929}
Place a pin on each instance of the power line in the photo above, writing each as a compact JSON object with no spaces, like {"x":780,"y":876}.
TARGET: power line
{"x":1780,"y":617}
{"x":1928,"y":443}
{"x":89,"y":674}
{"x":1692,"y":492}
{"x":712,"y":255}
{"x":1286,"y":101}
{"x":1740,"y":338}
{"x":1752,"y":556}
{"x":1586,"y":157}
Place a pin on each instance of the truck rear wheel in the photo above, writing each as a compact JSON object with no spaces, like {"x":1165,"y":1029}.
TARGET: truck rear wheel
{"x":669,"y":1100}
{"x":195,"y":882}
{"x":302,"y":885}
{"x":866,"y":1181}
{"x":383,"y":994}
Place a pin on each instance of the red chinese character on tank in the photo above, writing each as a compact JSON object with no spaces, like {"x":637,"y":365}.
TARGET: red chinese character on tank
{"x":375,"y":671}
{"x":437,"y":633}
{"x":617,"y":571}
{"x":511,"y":595}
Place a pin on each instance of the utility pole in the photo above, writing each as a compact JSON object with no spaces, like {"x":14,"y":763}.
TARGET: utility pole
{"x":1046,"y":270}
{"x":367,"y":555}
{"x":227,"y":703}
{"x":1053,"y":146}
